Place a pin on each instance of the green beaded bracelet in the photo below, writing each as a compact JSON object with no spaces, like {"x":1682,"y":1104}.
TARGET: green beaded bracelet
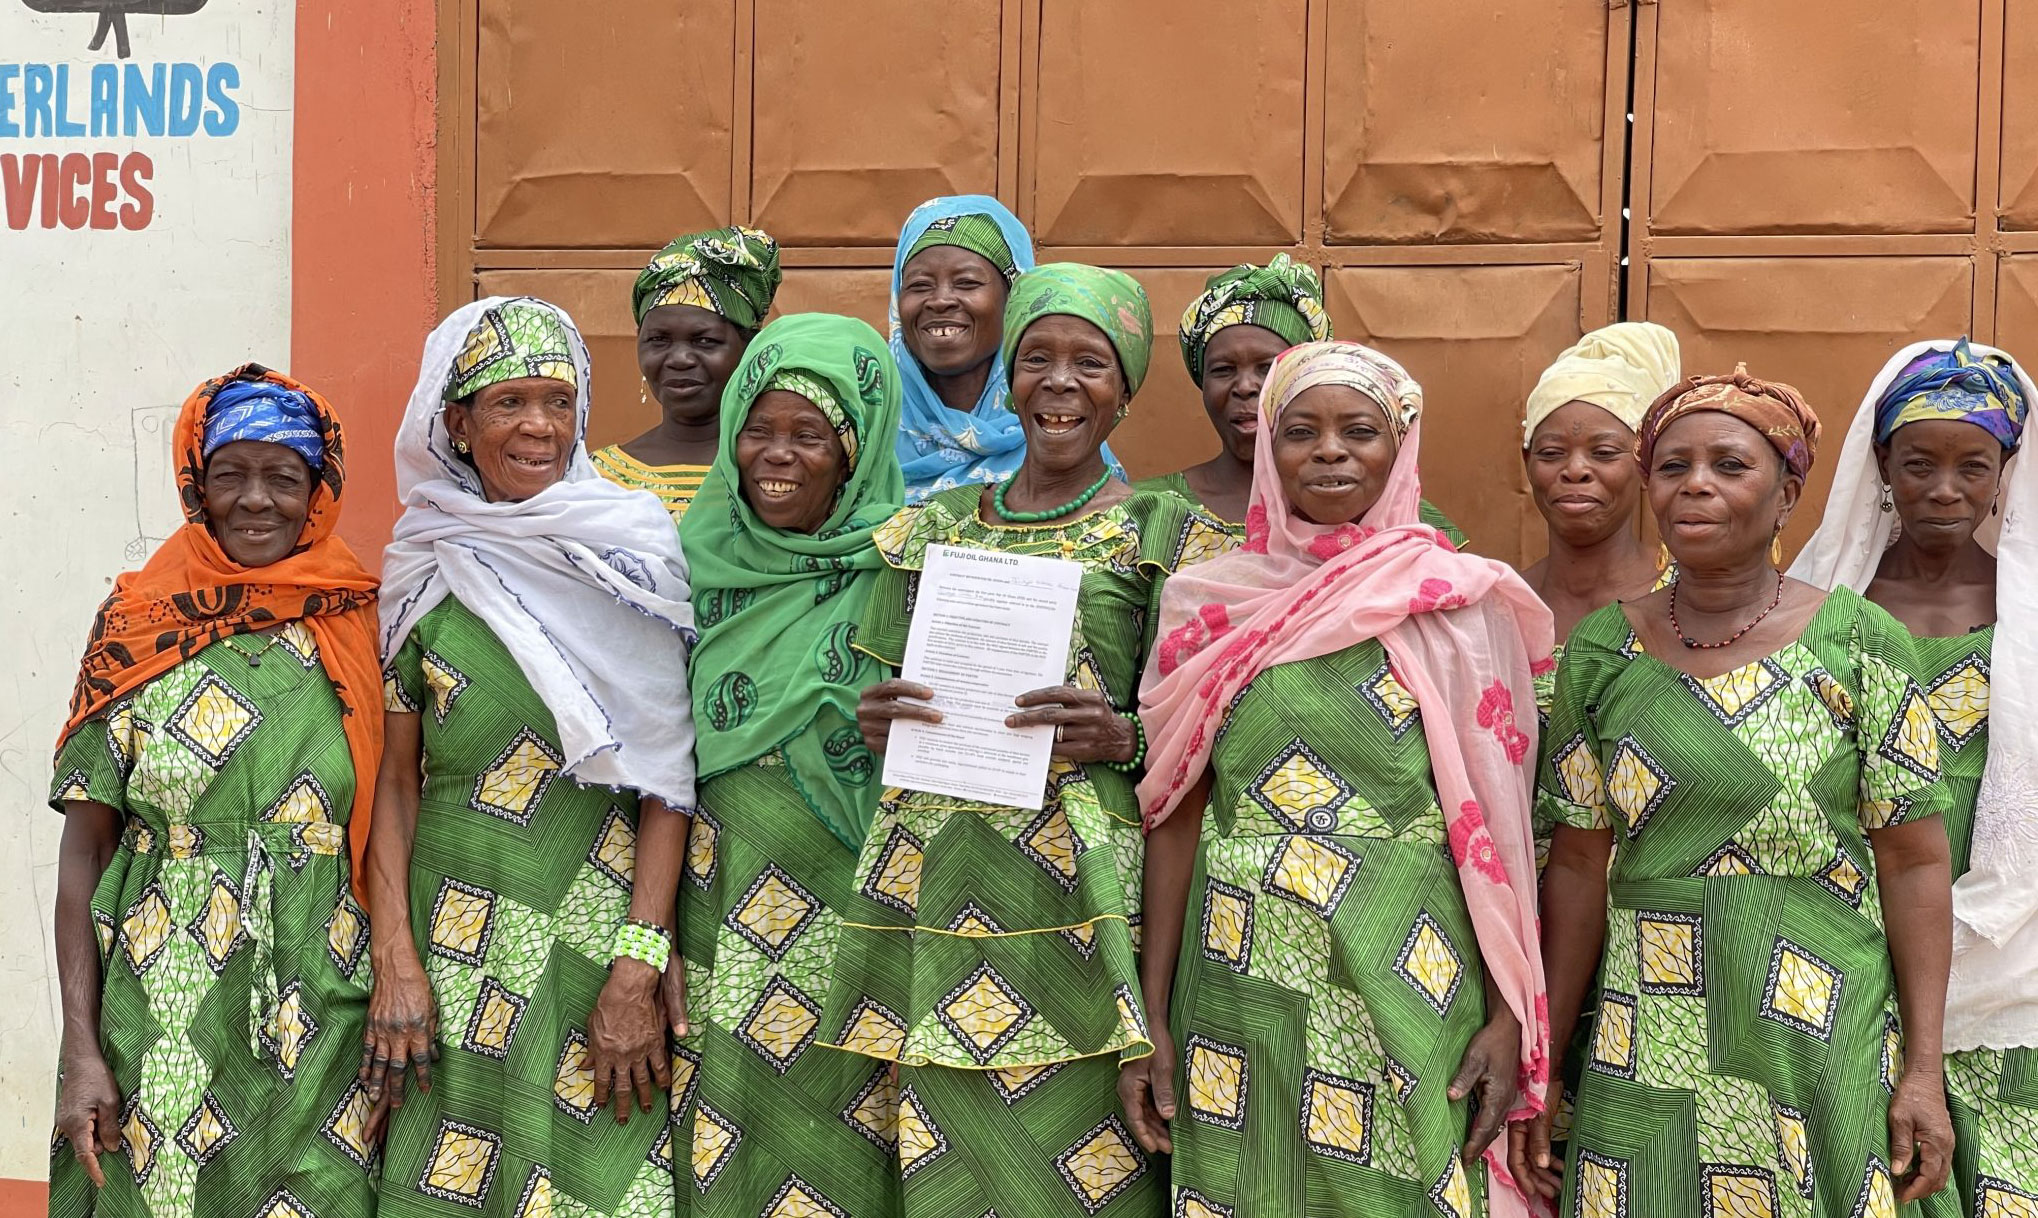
{"x":644,"y":941}
{"x":1138,"y":751}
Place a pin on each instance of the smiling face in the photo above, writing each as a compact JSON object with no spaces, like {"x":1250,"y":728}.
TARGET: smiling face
{"x":686,"y":355}
{"x":1583,"y":473}
{"x":1235,"y":365}
{"x":1067,"y":389}
{"x":1333,"y":450}
{"x":257,"y":497}
{"x":520,"y":434}
{"x":1719,"y":491}
{"x":1943,"y":475}
{"x":790,"y":461}
{"x":951,"y":309}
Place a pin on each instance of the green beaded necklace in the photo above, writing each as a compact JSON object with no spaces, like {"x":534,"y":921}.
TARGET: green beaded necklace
{"x":1074,"y":505}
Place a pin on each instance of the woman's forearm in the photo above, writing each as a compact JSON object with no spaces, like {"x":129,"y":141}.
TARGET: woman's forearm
{"x":91,"y":834}
{"x":1914,"y":877}
{"x":1574,"y":926}
{"x":661,"y":851}
{"x":397,"y":790}
{"x":1170,"y":866}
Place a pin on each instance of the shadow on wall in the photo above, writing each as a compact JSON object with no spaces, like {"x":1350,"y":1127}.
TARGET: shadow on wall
{"x":113,"y":15}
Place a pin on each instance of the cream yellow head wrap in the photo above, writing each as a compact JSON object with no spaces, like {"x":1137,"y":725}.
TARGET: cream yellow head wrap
{"x":1619,"y":368}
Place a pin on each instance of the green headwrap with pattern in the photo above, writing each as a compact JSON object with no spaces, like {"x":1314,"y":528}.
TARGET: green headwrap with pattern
{"x":517,"y":338}
{"x":731,"y":271}
{"x":775,"y":669}
{"x":975,"y":232}
{"x":1284,"y":296}
{"x":1112,"y":301}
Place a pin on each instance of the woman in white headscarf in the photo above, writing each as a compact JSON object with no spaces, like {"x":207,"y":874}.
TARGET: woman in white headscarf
{"x":536,"y":787}
{"x":1929,"y":519}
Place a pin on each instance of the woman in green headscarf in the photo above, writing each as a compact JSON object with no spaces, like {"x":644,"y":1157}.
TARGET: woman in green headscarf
{"x":1230,"y":335}
{"x":697,"y":304}
{"x":782,"y":571}
{"x":989,"y":950}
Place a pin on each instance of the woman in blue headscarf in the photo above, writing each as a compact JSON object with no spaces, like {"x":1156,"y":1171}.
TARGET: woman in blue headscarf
{"x":954,"y":267}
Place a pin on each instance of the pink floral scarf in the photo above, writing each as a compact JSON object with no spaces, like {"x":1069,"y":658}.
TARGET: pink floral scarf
{"x":1465,"y":636}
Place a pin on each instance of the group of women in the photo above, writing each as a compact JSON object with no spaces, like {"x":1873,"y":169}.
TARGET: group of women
{"x":1349,"y":891}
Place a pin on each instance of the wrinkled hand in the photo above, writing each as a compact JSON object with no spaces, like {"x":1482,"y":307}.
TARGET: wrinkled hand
{"x":626,"y":1038}
{"x":1487,"y":1073}
{"x":1146,"y":1088}
{"x":672,"y":993}
{"x":1087,"y":727}
{"x":403,"y":1030}
{"x":1535,"y":1168}
{"x":1920,"y":1136}
{"x":879,"y":704}
{"x":88,"y":1111}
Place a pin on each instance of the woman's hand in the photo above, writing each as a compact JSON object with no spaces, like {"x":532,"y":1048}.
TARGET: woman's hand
{"x":1487,"y":1074}
{"x":88,"y":1110}
{"x":1086,"y":726}
{"x":672,"y":993}
{"x":1920,"y":1135}
{"x":1147,"y":1090}
{"x":626,"y":1038}
{"x":884,"y":702}
{"x":1535,"y":1169}
{"x":403,"y":1029}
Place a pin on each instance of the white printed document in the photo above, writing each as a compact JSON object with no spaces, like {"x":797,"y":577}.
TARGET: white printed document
{"x":986,"y":628}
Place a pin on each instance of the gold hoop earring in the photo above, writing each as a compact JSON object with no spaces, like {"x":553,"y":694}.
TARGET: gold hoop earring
{"x":461,"y":447}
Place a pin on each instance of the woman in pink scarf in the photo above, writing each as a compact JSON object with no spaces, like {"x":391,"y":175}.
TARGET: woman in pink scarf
{"x":1362,"y":1002}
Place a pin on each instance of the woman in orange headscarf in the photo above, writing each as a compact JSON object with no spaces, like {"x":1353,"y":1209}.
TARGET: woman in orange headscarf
{"x":215,"y":775}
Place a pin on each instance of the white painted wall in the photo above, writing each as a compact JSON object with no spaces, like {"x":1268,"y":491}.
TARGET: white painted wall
{"x":103,"y":331}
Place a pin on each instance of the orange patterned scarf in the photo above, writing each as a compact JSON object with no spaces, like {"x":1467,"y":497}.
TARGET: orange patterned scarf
{"x":190,"y":595}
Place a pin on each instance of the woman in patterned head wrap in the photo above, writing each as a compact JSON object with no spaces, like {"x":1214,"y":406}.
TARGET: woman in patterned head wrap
{"x":1776,"y":922}
{"x":697,"y":304}
{"x":1930,"y":519}
{"x":215,"y":776}
{"x":1338,"y":792}
{"x":783,"y":571}
{"x":988,"y":950}
{"x":1230,"y":335}
{"x":536,"y":788}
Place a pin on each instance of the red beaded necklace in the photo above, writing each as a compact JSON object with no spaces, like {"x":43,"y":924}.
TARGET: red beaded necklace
{"x":1731,"y":639}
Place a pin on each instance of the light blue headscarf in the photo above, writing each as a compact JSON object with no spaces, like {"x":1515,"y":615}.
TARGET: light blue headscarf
{"x":940,"y":447}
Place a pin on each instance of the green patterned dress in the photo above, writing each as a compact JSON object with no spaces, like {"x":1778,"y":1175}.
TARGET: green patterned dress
{"x":991,"y":950}
{"x":518,"y":881}
{"x":1747,"y":1038}
{"x":777,"y":1123}
{"x":1992,"y":1093}
{"x":1177,"y":483}
{"x":234,"y":958}
{"x":1331,"y":981}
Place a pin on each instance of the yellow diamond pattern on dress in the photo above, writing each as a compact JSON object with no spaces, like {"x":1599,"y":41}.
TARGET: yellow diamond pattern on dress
{"x":145,"y":929}
{"x":1793,"y":1142}
{"x":1312,"y":871}
{"x":896,"y":879}
{"x":1051,"y":843}
{"x":184,"y":841}
{"x":780,"y":1025}
{"x":1086,"y":675}
{"x":1015,"y":1081}
{"x":282,"y":1205}
{"x":214,"y":721}
{"x":1839,"y":703}
{"x":714,"y":1140}
{"x":573,"y":1080}
{"x":1878,"y":1197}
{"x":514,"y":783}
{"x":1578,"y":771}
{"x":773,"y":912}
{"x":539,"y":1198}
{"x":1994,"y":1201}
{"x":206,"y":1129}
{"x":799,"y":1200}
{"x":1200,"y":542}
{"x":303,"y":804}
{"x":1802,"y":989}
{"x":615,"y":851}
{"x":1429,"y":963}
{"x":876,"y":1110}
{"x":220,"y":924}
{"x":343,"y":933}
{"x":1669,"y":952}
{"x":445,"y":683}
{"x":1959,"y":700}
{"x":1733,"y":694}
{"x":347,"y":1126}
{"x":140,"y":1134}
{"x":1337,"y":1117}
{"x":1189,"y":1205}
{"x":462,"y":1163}
{"x":1216,"y":1082}
{"x":1634,"y":785}
{"x":1453,"y":1191}
{"x":1739,"y":1193}
{"x":1602,"y":1187}
{"x":702,"y":841}
{"x":874,"y":1033}
{"x":1391,"y":699}
{"x":291,"y":1029}
{"x":1298,"y":787}
{"x":983,"y":1011}
{"x":1227,"y":917}
{"x":1842,"y":875}
{"x":1892,"y":1052}
{"x":1100,"y":1165}
{"x":920,"y":1141}
{"x":460,"y":921}
{"x":1913,"y":738}
{"x":497,"y":1013}
{"x":1729,"y":859}
{"x":1613,"y":1035}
